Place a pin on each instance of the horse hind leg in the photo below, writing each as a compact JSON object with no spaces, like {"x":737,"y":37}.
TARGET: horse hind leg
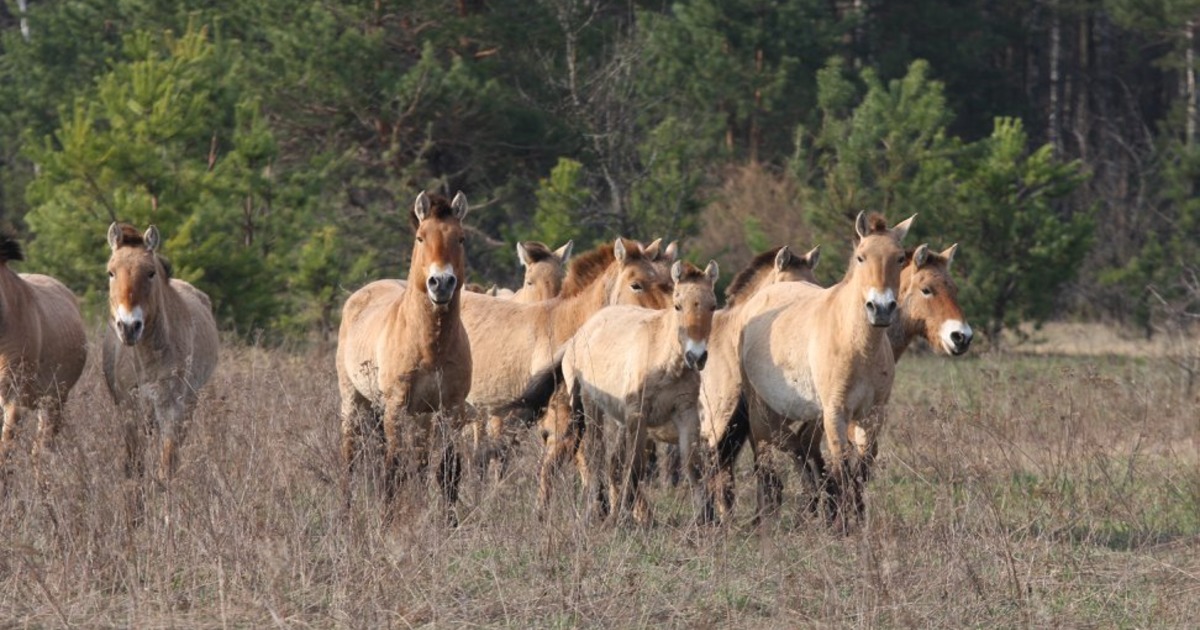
{"x":449,"y":470}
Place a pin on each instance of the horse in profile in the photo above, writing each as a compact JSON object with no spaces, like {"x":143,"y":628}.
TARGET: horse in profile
{"x":721,"y":381}
{"x":821,"y":355}
{"x":403,"y":353}
{"x":544,"y":270}
{"x":641,"y":369}
{"x":42,"y":348}
{"x":929,"y":305}
{"x":160,"y":349}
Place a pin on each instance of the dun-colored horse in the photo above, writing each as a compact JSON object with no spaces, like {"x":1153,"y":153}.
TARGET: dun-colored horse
{"x":641,"y":368}
{"x":544,"y":270}
{"x":42,"y":348}
{"x":810,"y":353}
{"x":160,"y":349}
{"x":403,"y":351}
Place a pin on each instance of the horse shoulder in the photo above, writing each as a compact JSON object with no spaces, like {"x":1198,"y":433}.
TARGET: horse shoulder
{"x":64,"y":340}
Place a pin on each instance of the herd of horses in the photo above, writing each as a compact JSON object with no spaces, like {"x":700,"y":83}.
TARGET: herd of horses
{"x":608,"y":352}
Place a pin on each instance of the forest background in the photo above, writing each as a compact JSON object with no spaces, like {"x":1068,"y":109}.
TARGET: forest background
{"x":278,"y":144}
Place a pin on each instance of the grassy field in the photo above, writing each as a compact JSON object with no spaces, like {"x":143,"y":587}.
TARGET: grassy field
{"x":1013,"y":490}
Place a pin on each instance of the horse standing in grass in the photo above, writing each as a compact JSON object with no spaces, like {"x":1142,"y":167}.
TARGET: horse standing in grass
{"x":810,"y":353}
{"x":640,"y":368}
{"x":42,"y":348}
{"x":403,"y":352}
{"x":160,"y":349}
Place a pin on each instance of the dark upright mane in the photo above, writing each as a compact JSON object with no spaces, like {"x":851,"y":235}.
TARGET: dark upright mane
{"x":692,"y":273}
{"x":765,"y":260}
{"x":10,"y":247}
{"x":876,"y":224}
{"x":537,"y":251}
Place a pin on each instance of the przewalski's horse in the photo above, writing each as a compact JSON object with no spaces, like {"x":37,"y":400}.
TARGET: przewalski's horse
{"x":721,"y":381}
{"x":929,"y":305}
{"x":641,"y":369}
{"x":403,"y":353}
{"x":812,"y":354}
{"x":160,"y":349}
{"x":42,"y":348}
{"x":544,"y":270}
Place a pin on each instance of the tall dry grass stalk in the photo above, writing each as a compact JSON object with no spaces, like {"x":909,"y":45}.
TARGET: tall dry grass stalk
{"x":1011,"y":491}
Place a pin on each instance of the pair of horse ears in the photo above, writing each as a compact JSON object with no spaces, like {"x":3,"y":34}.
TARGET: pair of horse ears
{"x":650,"y":251}
{"x":712,"y":270}
{"x":921,"y":255}
{"x":422,"y":204}
{"x":784,"y":256}
{"x":900,"y":230}
{"x":151,"y":238}
{"x":563,"y":254}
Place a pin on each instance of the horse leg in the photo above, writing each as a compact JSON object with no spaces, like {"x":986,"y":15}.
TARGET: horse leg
{"x":12,"y":415}
{"x":174,"y":419}
{"x":449,"y":467}
{"x":635,"y":442}
{"x":561,"y":436}
{"x":354,"y":410}
{"x":392,"y":449}
{"x":588,"y":424}
{"x":841,"y":479}
{"x":695,"y":462}
{"x":866,"y":447}
{"x":769,"y":495}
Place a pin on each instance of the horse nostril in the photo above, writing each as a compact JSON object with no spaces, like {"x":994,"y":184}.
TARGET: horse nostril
{"x":957,"y":337}
{"x":891,"y":306}
{"x":432,"y":282}
{"x":871,"y":306}
{"x":450,"y":282}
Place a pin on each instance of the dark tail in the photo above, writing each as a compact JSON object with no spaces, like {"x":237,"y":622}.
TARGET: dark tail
{"x":10,"y":248}
{"x":737,"y":432}
{"x":533,"y":401}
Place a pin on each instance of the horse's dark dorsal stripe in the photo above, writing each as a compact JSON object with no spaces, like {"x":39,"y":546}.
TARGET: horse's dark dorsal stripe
{"x":10,"y":248}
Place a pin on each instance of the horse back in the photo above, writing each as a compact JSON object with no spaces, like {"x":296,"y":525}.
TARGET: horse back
{"x":509,"y":340}
{"x":205,"y":342}
{"x":63,"y":348}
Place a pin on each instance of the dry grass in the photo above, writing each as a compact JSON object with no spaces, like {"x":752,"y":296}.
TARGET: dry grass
{"x":1013,"y":490}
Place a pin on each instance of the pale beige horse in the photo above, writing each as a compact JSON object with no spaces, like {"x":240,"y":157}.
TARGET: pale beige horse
{"x":403,"y":353}
{"x":811,"y":354}
{"x":641,"y":369}
{"x":160,"y":349}
{"x":929,"y":309}
{"x":721,"y":381}
{"x":42,"y":348}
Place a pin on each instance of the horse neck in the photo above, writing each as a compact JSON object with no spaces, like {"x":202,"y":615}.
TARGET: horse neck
{"x":668,"y":351}
{"x":161,"y":321}
{"x":567,"y":315}
{"x":901,"y":333}
{"x":854,"y":333}
{"x":14,"y":294}
{"x":416,"y":314}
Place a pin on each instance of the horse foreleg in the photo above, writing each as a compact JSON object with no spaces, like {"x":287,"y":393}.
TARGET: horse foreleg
{"x":632,"y":495}
{"x":12,"y":415}
{"x":589,"y":425}
{"x":392,"y":450}
{"x":841,"y":478}
{"x":173,"y":424}
{"x":769,"y":494}
{"x":449,"y":466}
{"x":695,"y":462}
{"x":49,"y":425}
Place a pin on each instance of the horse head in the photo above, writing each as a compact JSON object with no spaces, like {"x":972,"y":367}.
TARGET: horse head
{"x":929,"y":300}
{"x":439,"y":259}
{"x":694,"y":301}
{"x":137,"y":276}
{"x":875,"y":266}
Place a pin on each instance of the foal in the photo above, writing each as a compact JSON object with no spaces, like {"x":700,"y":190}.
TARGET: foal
{"x":160,"y":349}
{"x":402,"y":350}
{"x":42,"y":348}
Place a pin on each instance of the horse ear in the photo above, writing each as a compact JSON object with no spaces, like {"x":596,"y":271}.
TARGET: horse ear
{"x":860,"y":225}
{"x":619,"y":250}
{"x":677,"y":271}
{"x":460,"y":205}
{"x":563,"y":254}
{"x":523,"y":254}
{"x":651,"y":251}
{"x":920,"y":256}
{"x":782,"y":258}
{"x":672,"y":251}
{"x":421,"y":206}
{"x":153,"y":238}
{"x":949,"y":255}
{"x":114,"y":236}
{"x":901,"y":228}
{"x":712,"y":271}
{"x":813,"y":256}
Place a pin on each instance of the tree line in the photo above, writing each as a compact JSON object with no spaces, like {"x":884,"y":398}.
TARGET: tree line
{"x":278,"y":144}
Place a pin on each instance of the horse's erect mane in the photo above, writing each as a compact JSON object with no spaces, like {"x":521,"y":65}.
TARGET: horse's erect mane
{"x":587,"y":268}
{"x":764,"y":260}
{"x":537,"y":251}
{"x":439,"y":208}
{"x":692,"y":273}
{"x":10,"y":247}
{"x":876,"y":224}
{"x":933,"y":258}
{"x":131,"y":237}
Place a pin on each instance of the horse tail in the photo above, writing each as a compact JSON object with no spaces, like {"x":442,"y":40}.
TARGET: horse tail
{"x":532,"y":402}
{"x":737,"y":432}
{"x":10,"y":248}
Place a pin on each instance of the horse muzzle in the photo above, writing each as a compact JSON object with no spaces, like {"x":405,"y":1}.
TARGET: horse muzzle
{"x":695,"y":355}
{"x":881,"y":314}
{"x":130,"y":332}
{"x":956,"y":337}
{"x":440,"y":288}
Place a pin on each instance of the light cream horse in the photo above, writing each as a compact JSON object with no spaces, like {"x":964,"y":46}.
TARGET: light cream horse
{"x":812,"y":354}
{"x":640,"y":368}
{"x":721,"y":381}
{"x":160,"y":349}
{"x":544,"y":270}
{"x":42,"y":348}
{"x":403,"y":353}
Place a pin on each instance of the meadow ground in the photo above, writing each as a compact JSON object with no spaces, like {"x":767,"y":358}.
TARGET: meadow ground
{"x":1013,"y":490}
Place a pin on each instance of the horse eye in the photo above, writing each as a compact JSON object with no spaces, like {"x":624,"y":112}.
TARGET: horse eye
{"x":927,"y":291}
{"x":420,"y":239}
{"x":678,"y":307}
{"x":152,"y":273}
{"x":636,"y":286}
{"x":860,"y":258}
{"x":111,"y":275}
{"x":900,"y":259}
{"x":462,"y":239}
